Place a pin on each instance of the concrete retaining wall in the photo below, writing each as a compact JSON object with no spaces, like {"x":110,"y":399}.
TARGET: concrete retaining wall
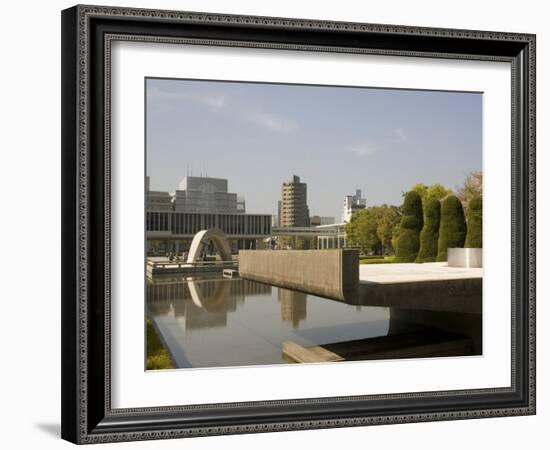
{"x":330,"y":273}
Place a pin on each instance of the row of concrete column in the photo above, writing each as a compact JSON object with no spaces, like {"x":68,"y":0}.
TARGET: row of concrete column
{"x":331,"y":242}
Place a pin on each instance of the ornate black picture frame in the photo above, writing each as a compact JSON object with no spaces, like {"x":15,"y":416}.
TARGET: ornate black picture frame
{"x":87,"y":33}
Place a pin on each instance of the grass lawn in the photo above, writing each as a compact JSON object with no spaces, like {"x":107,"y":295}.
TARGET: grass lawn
{"x":377,"y":260}
{"x":157,"y":355}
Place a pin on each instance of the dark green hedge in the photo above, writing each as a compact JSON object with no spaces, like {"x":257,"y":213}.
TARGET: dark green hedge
{"x":475,"y":213}
{"x":408,"y":242}
{"x":452,"y":229}
{"x":430,"y":231}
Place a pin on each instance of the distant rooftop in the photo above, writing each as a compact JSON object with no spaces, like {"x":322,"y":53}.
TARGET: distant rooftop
{"x":205,"y":184}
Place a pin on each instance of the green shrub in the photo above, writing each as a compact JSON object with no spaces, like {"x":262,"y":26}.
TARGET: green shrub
{"x":430,"y":232}
{"x":377,"y":260}
{"x":408,"y":242}
{"x":157,"y":355}
{"x":452,"y":228}
{"x":475,"y":214}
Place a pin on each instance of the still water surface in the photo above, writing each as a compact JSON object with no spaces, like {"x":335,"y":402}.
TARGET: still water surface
{"x":236,"y":322}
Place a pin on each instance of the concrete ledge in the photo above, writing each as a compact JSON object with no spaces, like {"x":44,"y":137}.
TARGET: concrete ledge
{"x":330,"y":273}
{"x":430,"y":286}
{"x":438,"y":295}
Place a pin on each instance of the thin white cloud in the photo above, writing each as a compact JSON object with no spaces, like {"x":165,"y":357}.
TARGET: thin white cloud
{"x":362,"y":150}
{"x":274,"y":123}
{"x":401,"y":134}
{"x":215,"y":102}
{"x":218,"y":102}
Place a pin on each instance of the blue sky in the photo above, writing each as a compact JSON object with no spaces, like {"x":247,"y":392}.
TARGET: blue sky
{"x":336,"y":139}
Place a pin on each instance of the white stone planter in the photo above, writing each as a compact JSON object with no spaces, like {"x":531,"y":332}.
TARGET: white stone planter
{"x":465,"y":257}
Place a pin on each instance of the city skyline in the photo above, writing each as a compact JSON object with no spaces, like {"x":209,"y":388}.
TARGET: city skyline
{"x":337,"y":139}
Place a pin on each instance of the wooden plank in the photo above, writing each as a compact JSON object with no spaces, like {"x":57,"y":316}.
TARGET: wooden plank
{"x":300,"y":354}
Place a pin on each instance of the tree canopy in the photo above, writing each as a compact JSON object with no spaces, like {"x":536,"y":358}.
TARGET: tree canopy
{"x":436,"y":190}
{"x":371,"y":229}
{"x":473,"y":187}
{"x":361,"y":232}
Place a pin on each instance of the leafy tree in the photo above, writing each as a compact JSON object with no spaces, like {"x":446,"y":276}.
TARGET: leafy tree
{"x":420,"y":188}
{"x":473,"y":186}
{"x":452,"y":228}
{"x":297,"y":243}
{"x":361,"y":231}
{"x":475,"y":216}
{"x":436,"y":190}
{"x":285,"y":242}
{"x":395,"y":236}
{"x":306,"y":243}
{"x":430,"y":232}
{"x":156,"y":247}
{"x":371,"y":229}
{"x":412,"y":220}
{"x":388,"y":219}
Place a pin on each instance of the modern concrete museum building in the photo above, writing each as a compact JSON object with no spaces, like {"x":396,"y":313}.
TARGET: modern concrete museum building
{"x":202,"y":203}
{"x":206,"y":195}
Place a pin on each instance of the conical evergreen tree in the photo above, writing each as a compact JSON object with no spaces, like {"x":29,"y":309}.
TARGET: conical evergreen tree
{"x":411,"y":223}
{"x":430,"y":232}
{"x":452,"y":228}
{"x":474,"y":217}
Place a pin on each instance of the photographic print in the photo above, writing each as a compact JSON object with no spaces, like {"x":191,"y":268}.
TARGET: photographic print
{"x":291,"y":224}
{"x":295,"y":201}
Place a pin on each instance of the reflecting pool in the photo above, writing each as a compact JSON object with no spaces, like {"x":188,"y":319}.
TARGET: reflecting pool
{"x":214,"y":322}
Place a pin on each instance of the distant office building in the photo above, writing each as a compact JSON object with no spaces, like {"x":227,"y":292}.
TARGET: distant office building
{"x":241,"y":205}
{"x":157,"y":200}
{"x":206,"y":195}
{"x":279,"y":212}
{"x":316,"y":221}
{"x":294,"y":209}
{"x":352,"y":204}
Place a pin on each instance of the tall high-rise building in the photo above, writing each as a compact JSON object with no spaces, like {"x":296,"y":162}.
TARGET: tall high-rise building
{"x":294,"y":209}
{"x":293,"y":306}
{"x":352,"y":204}
{"x":207,"y":195}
